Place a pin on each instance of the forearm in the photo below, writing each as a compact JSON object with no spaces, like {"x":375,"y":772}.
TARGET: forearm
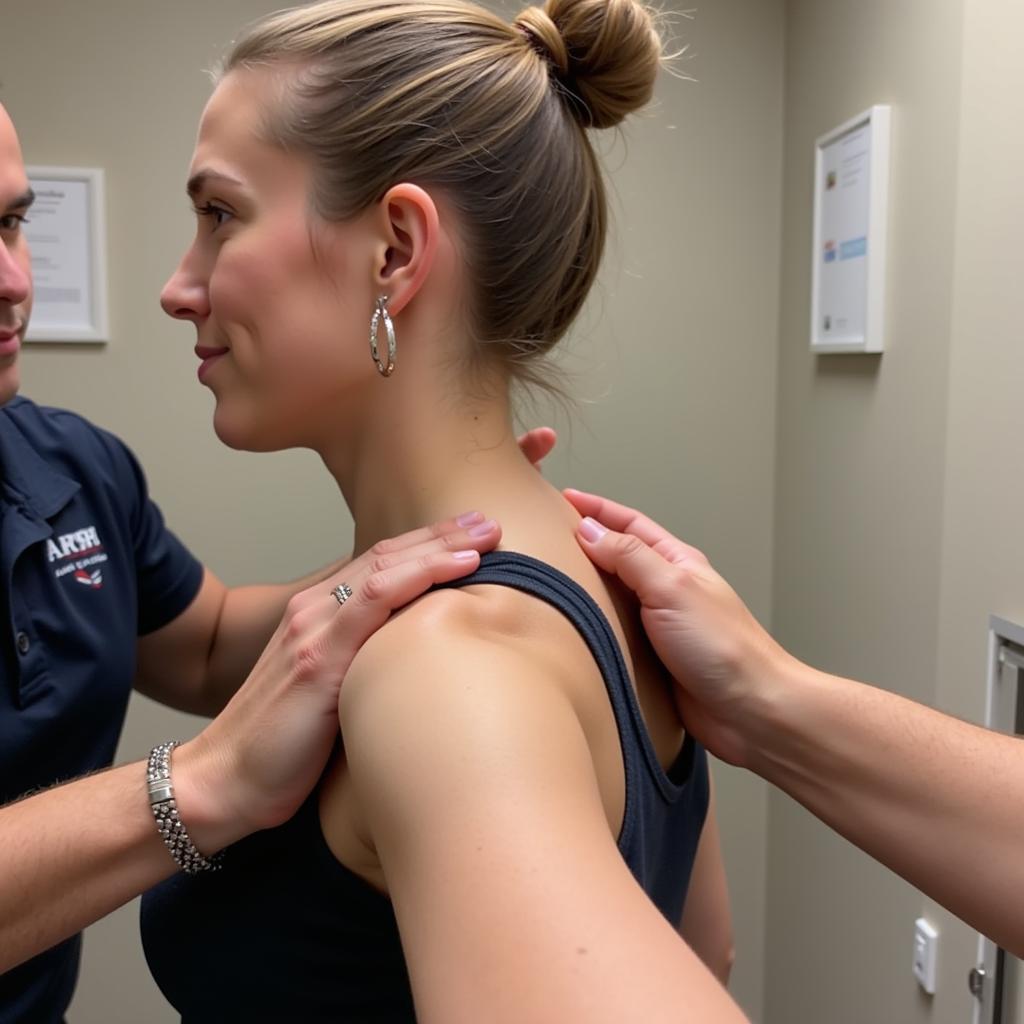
{"x":248,"y":618}
{"x":73,"y":854}
{"x":933,"y":798}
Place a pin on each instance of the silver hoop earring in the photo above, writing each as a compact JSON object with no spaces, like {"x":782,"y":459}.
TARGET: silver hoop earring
{"x":380,"y":312}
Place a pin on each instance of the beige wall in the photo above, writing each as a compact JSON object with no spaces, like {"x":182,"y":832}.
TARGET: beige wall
{"x":898,"y":491}
{"x":679,"y":350}
{"x":859,"y":495}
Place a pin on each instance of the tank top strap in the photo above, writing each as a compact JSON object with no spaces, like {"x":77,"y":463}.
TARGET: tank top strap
{"x":545,"y":582}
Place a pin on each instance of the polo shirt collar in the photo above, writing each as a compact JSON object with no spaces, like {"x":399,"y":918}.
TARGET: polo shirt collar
{"x":22,"y":468}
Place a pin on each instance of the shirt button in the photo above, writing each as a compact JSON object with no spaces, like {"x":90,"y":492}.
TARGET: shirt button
{"x":23,"y":642}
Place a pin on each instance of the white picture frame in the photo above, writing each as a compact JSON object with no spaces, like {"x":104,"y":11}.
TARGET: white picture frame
{"x":848,"y":254}
{"x":66,"y":233}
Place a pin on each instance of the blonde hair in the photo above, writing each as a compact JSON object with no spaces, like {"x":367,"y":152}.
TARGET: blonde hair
{"x":448,"y":95}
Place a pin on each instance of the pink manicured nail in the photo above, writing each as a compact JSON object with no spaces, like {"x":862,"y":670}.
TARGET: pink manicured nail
{"x":469,"y":518}
{"x":591,"y":530}
{"x":464,"y":556}
{"x":483,"y":529}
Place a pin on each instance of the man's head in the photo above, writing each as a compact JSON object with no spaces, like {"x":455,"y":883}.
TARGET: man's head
{"x":15,"y":265}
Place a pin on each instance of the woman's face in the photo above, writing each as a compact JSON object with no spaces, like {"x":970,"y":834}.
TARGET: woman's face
{"x":278,"y":297}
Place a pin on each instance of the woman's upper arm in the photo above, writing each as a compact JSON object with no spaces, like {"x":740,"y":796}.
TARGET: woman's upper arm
{"x":478,"y":791}
{"x":707,"y":920}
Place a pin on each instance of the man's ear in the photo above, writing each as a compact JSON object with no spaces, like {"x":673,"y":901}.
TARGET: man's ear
{"x":409,"y":231}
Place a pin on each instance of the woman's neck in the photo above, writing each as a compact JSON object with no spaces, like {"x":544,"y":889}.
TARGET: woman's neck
{"x":416,"y":459}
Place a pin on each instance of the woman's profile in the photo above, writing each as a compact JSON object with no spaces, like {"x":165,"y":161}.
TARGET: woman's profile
{"x":399,"y":214}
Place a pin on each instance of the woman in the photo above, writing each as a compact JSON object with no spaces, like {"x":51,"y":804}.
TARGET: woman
{"x":511,"y":784}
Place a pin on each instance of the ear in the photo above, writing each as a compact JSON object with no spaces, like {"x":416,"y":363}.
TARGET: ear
{"x":408,"y":244}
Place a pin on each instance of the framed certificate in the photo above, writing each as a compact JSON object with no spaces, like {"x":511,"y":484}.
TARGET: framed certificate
{"x":67,"y":238}
{"x":851,"y":193}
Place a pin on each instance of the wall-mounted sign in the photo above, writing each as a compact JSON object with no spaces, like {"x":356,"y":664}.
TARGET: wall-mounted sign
{"x":67,"y":240}
{"x":851,"y":188}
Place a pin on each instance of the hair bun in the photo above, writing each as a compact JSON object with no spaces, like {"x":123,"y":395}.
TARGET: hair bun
{"x":606,"y":53}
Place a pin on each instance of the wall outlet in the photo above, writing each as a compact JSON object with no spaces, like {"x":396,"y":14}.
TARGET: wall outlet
{"x":926,"y":954}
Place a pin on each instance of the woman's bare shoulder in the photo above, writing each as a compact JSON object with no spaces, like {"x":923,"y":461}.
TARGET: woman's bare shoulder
{"x":451,"y":683}
{"x":477,"y":631}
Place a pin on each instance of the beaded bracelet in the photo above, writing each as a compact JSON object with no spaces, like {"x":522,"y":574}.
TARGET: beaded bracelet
{"x":165,"y":811}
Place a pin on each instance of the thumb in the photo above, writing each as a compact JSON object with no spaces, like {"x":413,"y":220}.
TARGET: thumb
{"x":653,"y":579}
{"x":537,"y":444}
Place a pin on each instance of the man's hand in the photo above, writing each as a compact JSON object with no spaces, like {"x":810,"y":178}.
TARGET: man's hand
{"x":721,"y":656}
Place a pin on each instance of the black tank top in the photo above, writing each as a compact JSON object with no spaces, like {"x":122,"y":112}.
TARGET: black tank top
{"x":287,"y":933}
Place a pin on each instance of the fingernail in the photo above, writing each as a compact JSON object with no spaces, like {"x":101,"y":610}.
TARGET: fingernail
{"x":464,"y":556}
{"x":483,"y":529}
{"x":469,"y":518}
{"x":591,"y":530}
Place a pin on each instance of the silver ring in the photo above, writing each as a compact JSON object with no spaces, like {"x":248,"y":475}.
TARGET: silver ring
{"x":341,"y":593}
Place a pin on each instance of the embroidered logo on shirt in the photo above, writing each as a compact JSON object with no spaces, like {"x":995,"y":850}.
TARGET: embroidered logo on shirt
{"x":76,"y":554}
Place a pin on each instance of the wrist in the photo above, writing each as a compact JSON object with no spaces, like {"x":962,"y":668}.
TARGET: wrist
{"x":169,"y":824}
{"x":202,"y":793}
{"x":779,"y":716}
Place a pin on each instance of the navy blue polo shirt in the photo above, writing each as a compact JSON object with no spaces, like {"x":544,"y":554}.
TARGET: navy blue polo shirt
{"x":86,"y":566}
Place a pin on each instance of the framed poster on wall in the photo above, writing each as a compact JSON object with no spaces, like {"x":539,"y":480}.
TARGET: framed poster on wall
{"x":67,"y":238}
{"x":851,"y":193}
